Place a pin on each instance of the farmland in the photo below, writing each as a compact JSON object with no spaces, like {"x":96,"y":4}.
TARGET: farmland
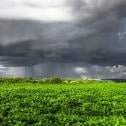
{"x":80,"y":103}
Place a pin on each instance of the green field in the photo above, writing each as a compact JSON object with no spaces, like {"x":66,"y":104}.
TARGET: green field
{"x":76,"y":104}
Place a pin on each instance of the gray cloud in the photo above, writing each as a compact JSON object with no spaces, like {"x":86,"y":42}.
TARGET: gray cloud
{"x":96,"y":71}
{"x":56,"y":42}
{"x":97,"y":10}
{"x":95,"y":36}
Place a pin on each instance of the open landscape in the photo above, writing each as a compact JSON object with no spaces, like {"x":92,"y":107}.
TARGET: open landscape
{"x":56,"y":102}
{"x":62,"y":62}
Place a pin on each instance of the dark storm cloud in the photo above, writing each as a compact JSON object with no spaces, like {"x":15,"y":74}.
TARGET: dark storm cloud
{"x":89,"y":11}
{"x":92,"y":36}
{"x":106,"y":18}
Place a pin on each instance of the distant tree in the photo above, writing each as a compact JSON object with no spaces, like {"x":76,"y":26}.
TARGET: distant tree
{"x":54,"y":80}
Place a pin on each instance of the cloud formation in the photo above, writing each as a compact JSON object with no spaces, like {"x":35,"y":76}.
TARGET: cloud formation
{"x":46,"y":11}
{"x":87,"y":31}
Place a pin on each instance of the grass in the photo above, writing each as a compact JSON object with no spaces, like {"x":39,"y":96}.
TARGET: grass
{"x":83,"y":104}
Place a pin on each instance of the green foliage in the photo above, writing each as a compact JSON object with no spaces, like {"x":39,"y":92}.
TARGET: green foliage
{"x":54,"y":80}
{"x":82,"y":104}
{"x":16,"y":80}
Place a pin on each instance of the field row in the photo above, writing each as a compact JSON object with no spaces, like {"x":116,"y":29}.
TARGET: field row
{"x":89,"y":104}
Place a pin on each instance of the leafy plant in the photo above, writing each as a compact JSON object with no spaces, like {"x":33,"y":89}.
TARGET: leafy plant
{"x":31,"y":102}
{"x":54,"y":80}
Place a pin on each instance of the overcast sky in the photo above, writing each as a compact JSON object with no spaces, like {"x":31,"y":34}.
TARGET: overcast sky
{"x":79,"y":38}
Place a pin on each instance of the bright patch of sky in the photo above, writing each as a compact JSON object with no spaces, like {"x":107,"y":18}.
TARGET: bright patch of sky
{"x":35,"y":9}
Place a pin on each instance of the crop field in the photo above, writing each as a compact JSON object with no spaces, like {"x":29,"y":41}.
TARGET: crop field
{"x":82,"y":103}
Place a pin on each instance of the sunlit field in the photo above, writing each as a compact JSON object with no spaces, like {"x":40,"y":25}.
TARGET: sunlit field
{"x":27,"y":102}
